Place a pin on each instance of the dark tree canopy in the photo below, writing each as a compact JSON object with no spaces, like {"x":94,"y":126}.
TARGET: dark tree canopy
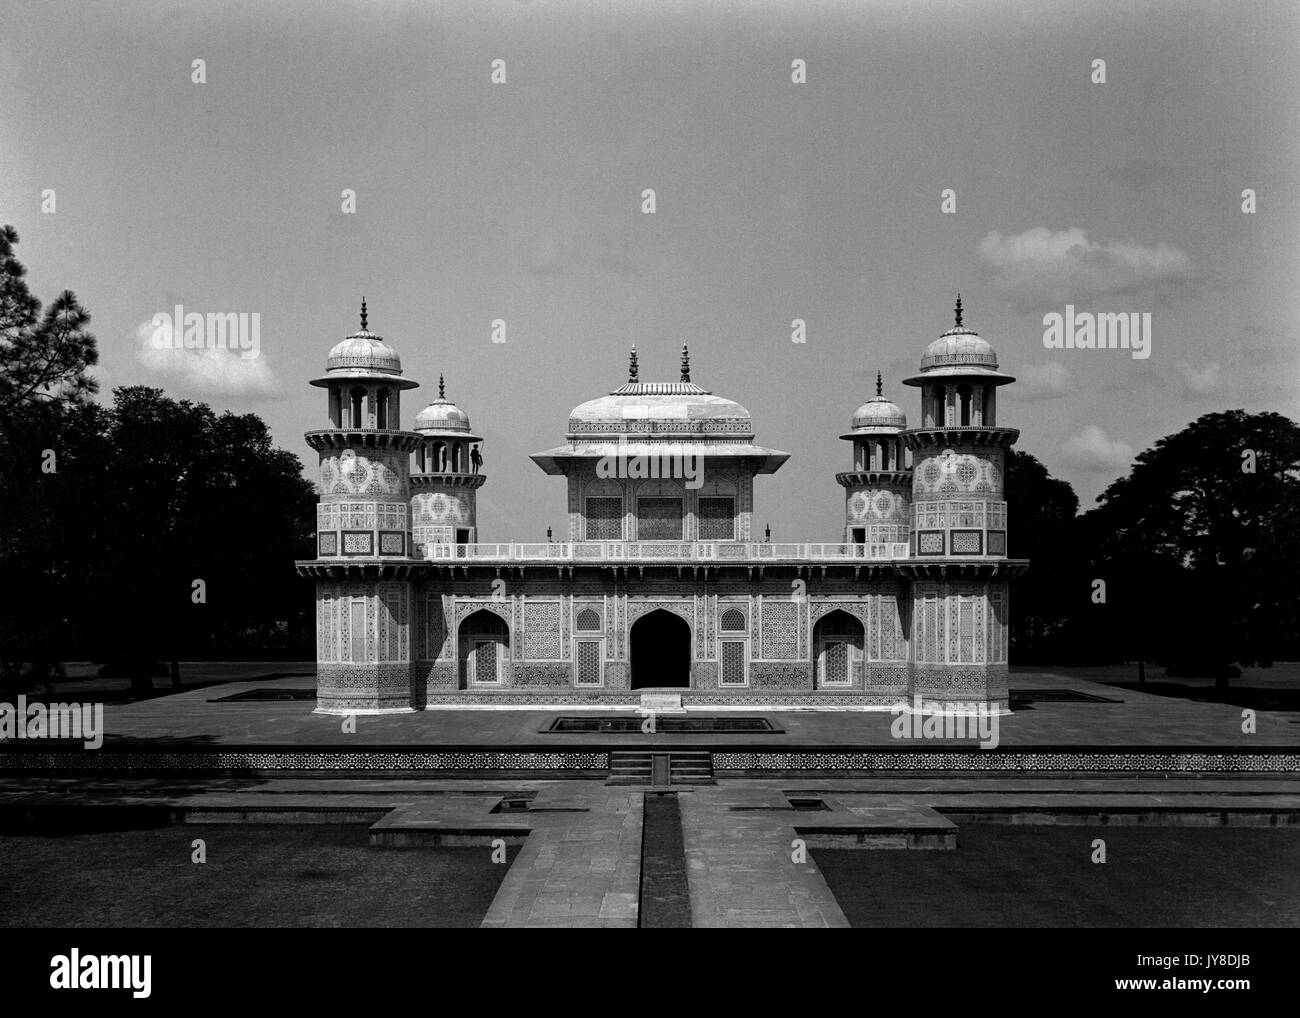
{"x":1041,"y":512}
{"x":111,"y":513}
{"x":1199,"y":542}
{"x":42,"y":356}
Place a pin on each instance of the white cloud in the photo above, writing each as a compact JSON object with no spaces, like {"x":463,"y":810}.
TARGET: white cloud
{"x":1043,"y":381}
{"x":208,"y":371}
{"x":1041,"y":267}
{"x":1092,"y":451}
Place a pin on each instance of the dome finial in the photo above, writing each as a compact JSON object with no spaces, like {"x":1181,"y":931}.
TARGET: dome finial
{"x":878,"y":385}
{"x":631,"y":365}
{"x":442,"y":394}
{"x":686,"y":364}
{"x":363,"y":314}
{"x":957,"y":311}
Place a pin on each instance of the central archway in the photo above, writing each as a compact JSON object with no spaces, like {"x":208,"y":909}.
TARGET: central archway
{"x":661,"y":651}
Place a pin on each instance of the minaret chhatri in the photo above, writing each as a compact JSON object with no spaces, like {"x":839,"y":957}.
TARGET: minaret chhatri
{"x":878,"y":490}
{"x":446,"y":479}
{"x":958,"y":566}
{"x":363,"y":602}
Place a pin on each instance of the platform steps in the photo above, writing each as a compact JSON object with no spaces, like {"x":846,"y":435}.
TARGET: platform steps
{"x":671,"y":767}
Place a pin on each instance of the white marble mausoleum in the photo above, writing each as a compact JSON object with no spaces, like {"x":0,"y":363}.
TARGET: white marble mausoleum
{"x":661,"y":583}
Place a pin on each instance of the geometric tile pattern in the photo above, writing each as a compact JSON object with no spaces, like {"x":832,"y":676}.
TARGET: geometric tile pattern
{"x":975,"y":759}
{"x":309,"y":760}
{"x":1285,"y":761}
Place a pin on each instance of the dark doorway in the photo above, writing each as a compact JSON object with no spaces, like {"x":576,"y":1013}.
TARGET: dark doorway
{"x":661,"y":651}
{"x":483,"y":647}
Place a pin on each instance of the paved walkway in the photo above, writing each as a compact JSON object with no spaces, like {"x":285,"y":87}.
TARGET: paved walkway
{"x":576,"y":869}
{"x":743,"y":867}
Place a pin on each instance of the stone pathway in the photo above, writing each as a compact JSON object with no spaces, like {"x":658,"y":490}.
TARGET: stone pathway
{"x":575,"y":869}
{"x":740,"y":863}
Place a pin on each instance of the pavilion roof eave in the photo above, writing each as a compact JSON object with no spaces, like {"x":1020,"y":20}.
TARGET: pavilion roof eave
{"x":440,"y":433}
{"x":554,"y":461}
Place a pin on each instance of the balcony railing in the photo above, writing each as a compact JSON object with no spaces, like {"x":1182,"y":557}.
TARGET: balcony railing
{"x":664,"y":551}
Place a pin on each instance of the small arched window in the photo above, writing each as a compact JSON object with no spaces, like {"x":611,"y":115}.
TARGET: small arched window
{"x":733,"y":620}
{"x":589,"y":620}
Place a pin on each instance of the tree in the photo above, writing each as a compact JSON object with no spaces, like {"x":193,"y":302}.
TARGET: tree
{"x":1202,"y":532}
{"x":111,"y":513}
{"x":189,"y":495}
{"x":42,"y":357}
{"x":47,"y":432}
{"x":1041,"y":512}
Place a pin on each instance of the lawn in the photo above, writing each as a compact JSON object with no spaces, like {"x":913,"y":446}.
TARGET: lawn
{"x":1044,"y":876}
{"x":255,"y":875}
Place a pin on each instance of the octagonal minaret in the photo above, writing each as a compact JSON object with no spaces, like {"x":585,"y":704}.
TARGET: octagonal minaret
{"x":363,"y":600}
{"x":878,"y":490}
{"x":445,"y":479}
{"x":959,"y":521}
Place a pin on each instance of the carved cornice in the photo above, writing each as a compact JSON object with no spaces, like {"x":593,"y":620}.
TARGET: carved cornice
{"x":851,"y":478}
{"x":360,"y":569}
{"x":423,"y":570}
{"x":962,"y":568}
{"x":361,"y":438}
{"x":938,"y":438}
{"x":430,"y":482}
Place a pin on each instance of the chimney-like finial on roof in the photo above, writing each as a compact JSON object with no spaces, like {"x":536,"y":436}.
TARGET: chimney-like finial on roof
{"x":878,"y":385}
{"x":363,"y":314}
{"x":686,"y":364}
{"x":957,"y":310}
{"x":442,"y":393}
{"x":631,"y":365}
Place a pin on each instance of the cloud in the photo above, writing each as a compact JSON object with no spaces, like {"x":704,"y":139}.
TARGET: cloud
{"x":207,"y":371}
{"x":1041,"y":267}
{"x":1043,"y":381}
{"x":1092,"y":452}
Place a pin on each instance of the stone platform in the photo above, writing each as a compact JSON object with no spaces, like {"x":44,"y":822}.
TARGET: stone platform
{"x":198,"y":719}
{"x":1120,"y":731}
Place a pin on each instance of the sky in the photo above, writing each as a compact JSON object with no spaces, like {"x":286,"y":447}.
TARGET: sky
{"x":774,"y":200}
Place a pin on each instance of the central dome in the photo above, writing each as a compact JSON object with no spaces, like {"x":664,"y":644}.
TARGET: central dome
{"x":664,"y":407}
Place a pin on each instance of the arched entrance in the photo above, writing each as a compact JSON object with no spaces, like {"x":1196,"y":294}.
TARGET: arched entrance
{"x":483,"y":643}
{"x":837,"y":648}
{"x":661,"y":651}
